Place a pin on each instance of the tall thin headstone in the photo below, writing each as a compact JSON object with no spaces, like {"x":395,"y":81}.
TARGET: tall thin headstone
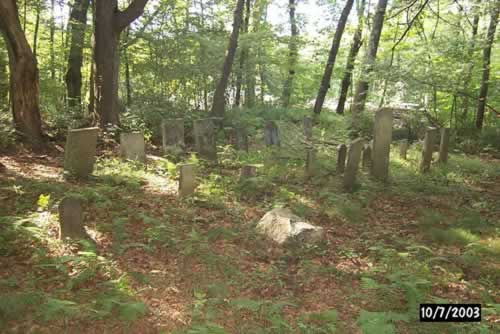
{"x":71,"y":219}
{"x":204,"y":138}
{"x":187,"y":179}
{"x":367,"y":156}
{"x":430,"y":140}
{"x":308,"y":127}
{"x":403,"y":149}
{"x":132,"y":146}
{"x":444,"y":145}
{"x":341,"y":156}
{"x":172,"y":131}
{"x":241,"y":138}
{"x":382,"y":137}
{"x":248,"y":171}
{"x":271,"y":134}
{"x":80,"y":151}
{"x":311,"y":162}
{"x":352,"y":165}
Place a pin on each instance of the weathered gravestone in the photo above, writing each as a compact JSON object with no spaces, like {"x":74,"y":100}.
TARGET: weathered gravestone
{"x":271,"y":134}
{"x":367,"y":156}
{"x":352,"y":165}
{"x":430,"y":140}
{"x":205,"y":138}
{"x":248,"y":171}
{"x":382,"y":137}
{"x":80,"y":151}
{"x":311,"y":162}
{"x":187,"y":179}
{"x":132,"y":146}
{"x":308,"y":127}
{"x":403,"y":149}
{"x":172,"y":131}
{"x":444,"y":145}
{"x":281,"y":225}
{"x":341,"y":156}
{"x":71,"y":219}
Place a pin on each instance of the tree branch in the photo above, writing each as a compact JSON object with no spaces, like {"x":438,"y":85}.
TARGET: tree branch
{"x":127,"y":16}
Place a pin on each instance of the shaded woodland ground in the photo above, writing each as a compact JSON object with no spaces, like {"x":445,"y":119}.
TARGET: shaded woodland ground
{"x":167,"y":265}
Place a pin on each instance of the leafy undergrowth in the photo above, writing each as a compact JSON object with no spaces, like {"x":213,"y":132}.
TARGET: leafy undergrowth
{"x":161,"y":264}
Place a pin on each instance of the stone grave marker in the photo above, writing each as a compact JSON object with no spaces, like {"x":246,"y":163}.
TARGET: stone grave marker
{"x":80,"y":151}
{"x":205,"y":138}
{"x":311,"y":163}
{"x":187,"y":179}
{"x":367,"y":156}
{"x":382,"y":137}
{"x":172,"y":131}
{"x":71,"y":219}
{"x":341,"y":156}
{"x":430,"y":140}
{"x":403,"y":149}
{"x":352,"y":165}
{"x":248,"y":171}
{"x":444,"y":145}
{"x":132,"y":146}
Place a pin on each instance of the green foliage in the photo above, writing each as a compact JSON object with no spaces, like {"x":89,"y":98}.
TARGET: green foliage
{"x":318,"y":323}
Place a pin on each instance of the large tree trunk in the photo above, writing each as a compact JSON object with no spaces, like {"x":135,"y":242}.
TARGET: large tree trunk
{"x":243,"y":55}
{"x":4,"y":77}
{"x":292,"y":55}
{"x":327,"y":75}
{"x":361,"y":90}
{"x":219,"y":102}
{"x":483,"y":92}
{"x":110,"y":22}
{"x":73,"y":78}
{"x":24,"y":86}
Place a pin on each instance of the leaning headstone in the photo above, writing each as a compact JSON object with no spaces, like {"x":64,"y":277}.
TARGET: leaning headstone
{"x":204,"y":138}
{"x":351,"y":168}
{"x":271,"y":134}
{"x":382,"y":137}
{"x":132,"y":146}
{"x":172,"y":131}
{"x":281,"y":225}
{"x":403,"y":149}
{"x":71,"y":219}
{"x":444,"y":145}
{"x":248,"y":171}
{"x":310,"y":162}
{"x":341,"y":156}
{"x":308,"y":127}
{"x":367,"y":156}
{"x":80,"y":151}
{"x":429,"y":141}
{"x":187,"y":179}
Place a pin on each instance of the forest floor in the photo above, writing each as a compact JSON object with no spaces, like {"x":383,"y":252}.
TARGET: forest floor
{"x":195,"y":265}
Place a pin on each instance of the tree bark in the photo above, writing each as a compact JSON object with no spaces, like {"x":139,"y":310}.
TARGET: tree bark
{"x":351,"y":58}
{"x":327,"y":75}
{"x":255,"y":55}
{"x":219,"y":102}
{"x":292,"y":55}
{"x":4,"y":79}
{"x":483,"y":92}
{"x":360,"y":93}
{"x":73,"y":77}
{"x":109,"y":23}
{"x":24,"y":86}
{"x":51,"y":40}
{"x":243,"y":54}
{"x":37,"y":26}
{"x":128,"y":84}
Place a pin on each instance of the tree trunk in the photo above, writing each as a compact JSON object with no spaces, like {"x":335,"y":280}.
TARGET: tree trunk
{"x":351,"y":58}
{"x":4,"y":79}
{"x":24,"y":86}
{"x":128,"y":84}
{"x":243,"y":54}
{"x":361,"y":90}
{"x":37,"y":26}
{"x":254,"y":56}
{"x":73,"y":78}
{"x":109,"y":23}
{"x":219,"y":98}
{"x":292,"y":55}
{"x":483,"y":92}
{"x":51,"y":40}
{"x":327,"y":75}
